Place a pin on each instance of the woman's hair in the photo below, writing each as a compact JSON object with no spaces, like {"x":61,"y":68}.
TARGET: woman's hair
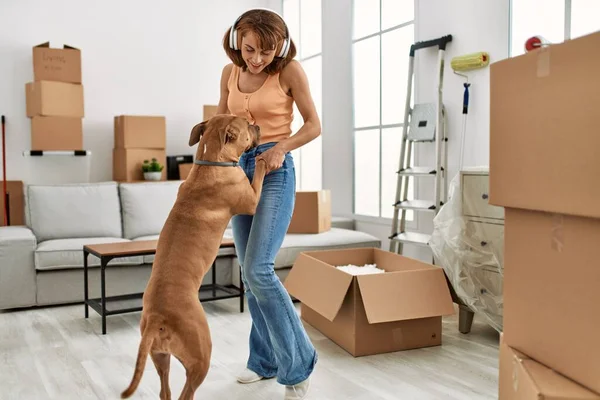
{"x":270,"y":31}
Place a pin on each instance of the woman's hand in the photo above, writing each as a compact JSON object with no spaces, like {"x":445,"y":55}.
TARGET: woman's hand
{"x":273,"y":157}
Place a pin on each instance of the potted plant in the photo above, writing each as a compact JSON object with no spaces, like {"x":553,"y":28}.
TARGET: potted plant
{"x":152,"y":170}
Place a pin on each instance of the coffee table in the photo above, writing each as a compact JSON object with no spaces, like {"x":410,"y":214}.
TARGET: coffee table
{"x":133,"y":302}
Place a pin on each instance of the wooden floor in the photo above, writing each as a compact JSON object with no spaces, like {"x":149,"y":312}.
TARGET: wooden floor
{"x":54,"y":353}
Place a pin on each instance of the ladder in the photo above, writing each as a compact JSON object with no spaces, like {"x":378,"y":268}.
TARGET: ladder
{"x":425,"y":123}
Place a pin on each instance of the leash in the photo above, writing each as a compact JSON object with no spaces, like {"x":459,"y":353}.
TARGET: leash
{"x":217,"y":163}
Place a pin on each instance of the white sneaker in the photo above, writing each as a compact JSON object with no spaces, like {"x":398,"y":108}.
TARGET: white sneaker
{"x":298,"y":391}
{"x":248,"y":376}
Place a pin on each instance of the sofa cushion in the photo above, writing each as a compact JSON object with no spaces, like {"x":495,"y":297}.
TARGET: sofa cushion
{"x":343,"y":223}
{"x":335,"y":238}
{"x":73,"y":210}
{"x":68,"y":253}
{"x":226,"y":251}
{"x":146,"y":206}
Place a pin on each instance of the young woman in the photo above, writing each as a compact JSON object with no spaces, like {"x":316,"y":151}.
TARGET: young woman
{"x":261,"y":84}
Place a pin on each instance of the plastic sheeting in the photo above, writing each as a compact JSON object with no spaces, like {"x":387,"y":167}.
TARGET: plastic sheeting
{"x":470,"y":250}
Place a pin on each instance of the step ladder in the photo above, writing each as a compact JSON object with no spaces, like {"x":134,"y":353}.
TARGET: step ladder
{"x":424,"y":123}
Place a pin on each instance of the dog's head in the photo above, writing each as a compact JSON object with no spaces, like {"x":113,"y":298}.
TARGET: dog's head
{"x":224,"y":134}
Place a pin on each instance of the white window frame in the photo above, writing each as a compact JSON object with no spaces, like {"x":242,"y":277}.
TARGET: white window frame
{"x":411,"y":216}
{"x":567,"y":22}
{"x":298,"y":42}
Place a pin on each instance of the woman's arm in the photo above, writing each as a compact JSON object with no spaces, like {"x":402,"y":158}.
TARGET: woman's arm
{"x":294,"y":77}
{"x":222,"y":107}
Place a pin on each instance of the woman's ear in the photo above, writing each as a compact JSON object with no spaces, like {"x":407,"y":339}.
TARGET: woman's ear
{"x":197,"y":132}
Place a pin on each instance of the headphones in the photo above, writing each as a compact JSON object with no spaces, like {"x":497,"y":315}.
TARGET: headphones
{"x":233,"y":34}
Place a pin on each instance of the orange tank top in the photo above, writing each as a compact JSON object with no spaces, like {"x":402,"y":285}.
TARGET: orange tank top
{"x":268,"y":107}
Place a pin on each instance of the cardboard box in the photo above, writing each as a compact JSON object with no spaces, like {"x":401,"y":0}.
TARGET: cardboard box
{"x":16,"y":203}
{"x":54,"y":99}
{"x":54,"y":64}
{"x":544,"y":137}
{"x":312,"y":212}
{"x":522,"y":378}
{"x":56,"y":133}
{"x":184,"y":170}
{"x":369,"y":314}
{"x":127,"y":163}
{"x":173,"y":162}
{"x":209,"y":112}
{"x":552,"y":291}
{"x":141,"y":132}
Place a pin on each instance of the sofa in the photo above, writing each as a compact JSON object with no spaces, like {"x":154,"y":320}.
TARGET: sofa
{"x":41,"y":262}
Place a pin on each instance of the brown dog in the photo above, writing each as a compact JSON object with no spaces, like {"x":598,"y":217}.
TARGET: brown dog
{"x":173,"y":320}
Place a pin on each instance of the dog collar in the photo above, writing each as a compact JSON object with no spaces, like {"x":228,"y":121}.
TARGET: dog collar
{"x":217,"y":163}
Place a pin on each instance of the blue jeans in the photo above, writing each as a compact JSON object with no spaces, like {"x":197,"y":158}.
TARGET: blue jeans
{"x":279,"y":345}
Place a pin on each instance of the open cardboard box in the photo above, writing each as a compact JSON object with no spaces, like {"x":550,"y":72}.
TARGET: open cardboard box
{"x":369,"y":314}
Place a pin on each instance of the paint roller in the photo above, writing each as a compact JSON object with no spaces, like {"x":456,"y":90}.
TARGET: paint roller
{"x":467,"y":62}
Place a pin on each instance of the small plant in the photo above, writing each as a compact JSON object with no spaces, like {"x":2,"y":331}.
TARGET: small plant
{"x":152,"y":166}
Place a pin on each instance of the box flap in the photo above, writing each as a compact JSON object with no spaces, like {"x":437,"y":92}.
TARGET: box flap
{"x":402,"y":295}
{"x":318,"y":285}
{"x":45,"y":44}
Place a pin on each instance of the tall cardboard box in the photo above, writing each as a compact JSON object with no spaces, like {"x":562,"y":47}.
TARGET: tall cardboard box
{"x":399,"y":309}
{"x":544,"y":136}
{"x":16,"y":203}
{"x":140,"y":131}
{"x":522,"y":378}
{"x":54,"y":99}
{"x":552,"y":291}
{"x":209,"y":111}
{"x":56,"y":133}
{"x":127,"y":163}
{"x":55,"y":64}
{"x":312,"y":212}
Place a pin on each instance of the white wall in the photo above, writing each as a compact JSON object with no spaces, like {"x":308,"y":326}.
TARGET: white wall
{"x":475,"y":26}
{"x":138,"y":57}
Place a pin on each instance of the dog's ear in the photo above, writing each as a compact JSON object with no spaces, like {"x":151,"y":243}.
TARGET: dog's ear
{"x":229,"y":134}
{"x":197,"y":132}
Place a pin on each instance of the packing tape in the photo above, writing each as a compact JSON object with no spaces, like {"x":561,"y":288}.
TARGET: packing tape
{"x":515,"y":374}
{"x":543,"y":62}
{"x":557,"y":233}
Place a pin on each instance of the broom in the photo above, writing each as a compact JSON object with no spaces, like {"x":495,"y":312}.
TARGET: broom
{"x":4,"y":191}
{"x":467,"y":63}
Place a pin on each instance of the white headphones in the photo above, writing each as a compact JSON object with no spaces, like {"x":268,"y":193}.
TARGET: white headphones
{"x":233,"y":34}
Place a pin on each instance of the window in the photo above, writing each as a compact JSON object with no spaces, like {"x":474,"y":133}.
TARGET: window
{"x":383,"y":31}
{"x":303,"y":18}
{"x":556,"y":20}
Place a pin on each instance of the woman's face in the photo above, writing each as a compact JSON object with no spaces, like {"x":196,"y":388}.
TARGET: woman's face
{"x":256,"y":58}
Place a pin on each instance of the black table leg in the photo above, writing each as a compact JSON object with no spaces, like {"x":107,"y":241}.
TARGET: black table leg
{"x":241,"y":292}
{"x":103,"y":262}
{"x":85,"y":282}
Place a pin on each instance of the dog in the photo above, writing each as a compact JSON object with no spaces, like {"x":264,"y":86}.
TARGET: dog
{"x":173,"y":321}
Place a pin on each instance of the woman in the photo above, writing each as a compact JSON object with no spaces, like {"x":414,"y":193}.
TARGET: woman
{"x":261,"y":84}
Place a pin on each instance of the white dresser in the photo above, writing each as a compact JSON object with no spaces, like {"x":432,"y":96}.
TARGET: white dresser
{"x":468,"y":242}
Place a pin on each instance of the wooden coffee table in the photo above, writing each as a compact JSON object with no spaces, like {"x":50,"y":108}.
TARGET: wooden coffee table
{"x":133,"y":302}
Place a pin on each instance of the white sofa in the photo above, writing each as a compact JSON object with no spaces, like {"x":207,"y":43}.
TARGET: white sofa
{"x":42,"y":263}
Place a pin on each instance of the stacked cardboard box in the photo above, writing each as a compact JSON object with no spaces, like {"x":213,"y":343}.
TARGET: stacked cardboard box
{"x":138,"y":138}
{"x":55,"y":99}
{"x":544,"y":166}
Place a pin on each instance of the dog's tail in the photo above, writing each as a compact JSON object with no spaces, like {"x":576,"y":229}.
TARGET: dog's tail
{"x":148,"y":336}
